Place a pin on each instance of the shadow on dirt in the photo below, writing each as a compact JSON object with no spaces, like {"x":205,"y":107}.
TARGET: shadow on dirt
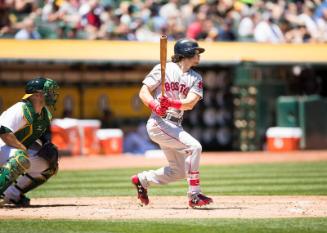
{"x":41,"y":206}
{"x":209,"y":208}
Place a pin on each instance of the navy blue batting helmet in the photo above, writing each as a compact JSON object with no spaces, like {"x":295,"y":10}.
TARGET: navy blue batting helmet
{"x":187,"y":48}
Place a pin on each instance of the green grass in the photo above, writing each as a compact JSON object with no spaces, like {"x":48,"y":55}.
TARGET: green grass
{"x":297,"y":225}
{"x":260,"y":179}
{"x":263,"y":179}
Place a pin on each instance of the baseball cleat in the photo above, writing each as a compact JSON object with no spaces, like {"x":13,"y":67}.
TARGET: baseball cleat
{"x":198,"y":200}
{"x":22,"y":202}
{"x":142,"y":193}
{"x":2,"y":200}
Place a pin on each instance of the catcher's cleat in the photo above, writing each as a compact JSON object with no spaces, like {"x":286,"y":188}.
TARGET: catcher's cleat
{"x":142,"y":193}
{"x":2,"y":200}
{"x":22,"y":202}
{"x":198,"y":200}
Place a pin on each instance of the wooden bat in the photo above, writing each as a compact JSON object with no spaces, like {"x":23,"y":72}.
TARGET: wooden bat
{"x":163,"y":60}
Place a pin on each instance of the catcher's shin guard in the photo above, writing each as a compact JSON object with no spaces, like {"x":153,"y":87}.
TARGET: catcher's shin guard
{"x":28,"y":182}
{"x":15,"y":166}
{"x":15,"y":194}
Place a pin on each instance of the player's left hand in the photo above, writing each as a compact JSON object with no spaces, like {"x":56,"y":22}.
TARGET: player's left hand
{"x":164,"y":101}
{"x":168,"y":102}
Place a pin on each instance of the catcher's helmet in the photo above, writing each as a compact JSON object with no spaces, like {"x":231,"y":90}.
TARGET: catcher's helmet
{"x":187,"y":48}
{"x":46,"y":86}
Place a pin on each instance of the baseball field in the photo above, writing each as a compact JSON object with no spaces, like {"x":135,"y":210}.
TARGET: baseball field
{"x":252,"y":192}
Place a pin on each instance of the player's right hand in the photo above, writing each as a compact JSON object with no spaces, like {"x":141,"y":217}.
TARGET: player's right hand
{"x":157,"y":108}
{"x":161,"y":111}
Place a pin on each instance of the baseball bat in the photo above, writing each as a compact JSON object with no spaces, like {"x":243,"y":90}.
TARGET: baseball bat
{"x":163,"y":60}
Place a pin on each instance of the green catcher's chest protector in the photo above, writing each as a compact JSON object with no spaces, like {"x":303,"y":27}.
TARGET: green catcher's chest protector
{"x":36,"y":126}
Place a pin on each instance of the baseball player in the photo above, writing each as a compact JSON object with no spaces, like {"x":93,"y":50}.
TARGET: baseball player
{"x":183,"y":89}
{"x":27,"y":156}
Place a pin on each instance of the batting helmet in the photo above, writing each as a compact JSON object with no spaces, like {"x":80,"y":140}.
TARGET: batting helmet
{"x":187,"y":48}
{"x":46,"y":86}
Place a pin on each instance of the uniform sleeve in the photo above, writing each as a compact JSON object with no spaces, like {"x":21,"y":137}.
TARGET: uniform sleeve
{"x":153,"y":79}
{"x":197,"y":87}
{"x":13,"y":118}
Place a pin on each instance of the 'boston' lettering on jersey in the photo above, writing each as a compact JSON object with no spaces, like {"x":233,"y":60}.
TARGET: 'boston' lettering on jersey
{"x":175,"y":86}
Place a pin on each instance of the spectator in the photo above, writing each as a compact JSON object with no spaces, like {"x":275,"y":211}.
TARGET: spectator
{"x":28,"y":32}
{"x":307,"y":19}
{"x":268,"y":31}
{"x":211,"y":20}
{"x":322,"y":26}
{"x":226,"y":33}
{"x":247,"y":26}
{"x":195,"y":28}
{"x":298,"y":34}
{"x":91,"y":21}
{"x":5,"y":24}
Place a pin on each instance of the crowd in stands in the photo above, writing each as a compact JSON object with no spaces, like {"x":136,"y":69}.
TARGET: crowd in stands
{"x":274,"y":21}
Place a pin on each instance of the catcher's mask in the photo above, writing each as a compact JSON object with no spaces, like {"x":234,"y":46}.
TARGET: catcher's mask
{"x":46,"y":86}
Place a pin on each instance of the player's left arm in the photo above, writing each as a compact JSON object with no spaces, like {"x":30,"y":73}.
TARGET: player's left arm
{"x":184,"y":104}
{"x":190,"y":101}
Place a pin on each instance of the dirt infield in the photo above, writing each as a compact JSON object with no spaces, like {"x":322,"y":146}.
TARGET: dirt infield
{"x":175,"y":207}
{"x":171,"y":208}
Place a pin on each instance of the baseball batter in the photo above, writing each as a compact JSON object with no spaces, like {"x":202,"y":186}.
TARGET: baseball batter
{"x":27,"y":156}
{"x":183,"y":89}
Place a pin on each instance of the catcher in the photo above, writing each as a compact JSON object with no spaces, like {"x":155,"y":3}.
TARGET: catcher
{"x":27,"y":156}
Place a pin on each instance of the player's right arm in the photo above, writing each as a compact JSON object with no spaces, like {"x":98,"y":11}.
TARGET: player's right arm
{"x":10,"y":139}
{"x":11,"y":120}
{"x":145,"y":95}
{"x":150,"y":83}
{"x":147,"y":98}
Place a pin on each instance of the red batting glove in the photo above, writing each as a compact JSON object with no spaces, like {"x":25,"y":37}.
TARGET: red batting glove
{"x":168,"y":102}
{"x":157,"y":108}
{"x":164,"y":101}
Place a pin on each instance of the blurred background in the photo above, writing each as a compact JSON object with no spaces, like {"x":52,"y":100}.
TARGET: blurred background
{"x":264,"y":69}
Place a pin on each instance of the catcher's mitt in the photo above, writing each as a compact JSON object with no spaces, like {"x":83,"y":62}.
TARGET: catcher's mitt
{"x":49,"y":152}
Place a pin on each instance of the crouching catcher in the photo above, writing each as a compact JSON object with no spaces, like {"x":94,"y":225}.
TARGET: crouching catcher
{"x":27,"y":156}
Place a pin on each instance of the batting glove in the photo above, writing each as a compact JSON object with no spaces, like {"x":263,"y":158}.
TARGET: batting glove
{"x":157,"y":108}
{"x":164,"y":101}
{"x":168,"y":102}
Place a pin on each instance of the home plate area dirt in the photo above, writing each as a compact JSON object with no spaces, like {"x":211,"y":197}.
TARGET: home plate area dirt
{"x":170,"y":208}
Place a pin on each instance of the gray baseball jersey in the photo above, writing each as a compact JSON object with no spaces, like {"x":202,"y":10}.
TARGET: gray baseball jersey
{"x":177,"y":84}
{"x":181,"y":149}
